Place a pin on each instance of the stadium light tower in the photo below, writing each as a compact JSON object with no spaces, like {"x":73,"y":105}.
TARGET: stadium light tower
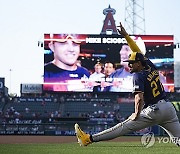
{"x":134,"y":16}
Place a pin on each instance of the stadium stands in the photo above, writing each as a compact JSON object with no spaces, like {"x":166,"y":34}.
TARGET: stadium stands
{"x":56,"y":114}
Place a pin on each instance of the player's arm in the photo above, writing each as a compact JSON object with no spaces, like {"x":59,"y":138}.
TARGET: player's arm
{"x":138,"y":86}
{"x":139,"y":102}
{"x":129,"y":40}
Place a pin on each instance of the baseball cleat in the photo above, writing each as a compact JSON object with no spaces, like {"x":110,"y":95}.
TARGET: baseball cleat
{"x":83,"y":138}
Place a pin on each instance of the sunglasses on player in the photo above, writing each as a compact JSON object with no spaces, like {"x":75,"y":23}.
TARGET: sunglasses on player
{"x":62,"y":38}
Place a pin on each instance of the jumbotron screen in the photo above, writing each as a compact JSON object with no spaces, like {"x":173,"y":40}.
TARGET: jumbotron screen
{"x":94,"y":63}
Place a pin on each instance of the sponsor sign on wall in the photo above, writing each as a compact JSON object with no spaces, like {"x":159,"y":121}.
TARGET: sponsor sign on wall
{"x":31,"y":88}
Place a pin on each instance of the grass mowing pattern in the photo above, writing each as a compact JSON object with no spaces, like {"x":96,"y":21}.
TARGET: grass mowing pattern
{"x":95,"y":148}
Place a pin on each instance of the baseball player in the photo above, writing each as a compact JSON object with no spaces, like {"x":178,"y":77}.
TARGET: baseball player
{"x":151,"y":106}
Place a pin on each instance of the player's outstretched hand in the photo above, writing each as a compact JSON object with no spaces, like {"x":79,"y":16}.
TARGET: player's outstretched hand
{"x":121,"y":30}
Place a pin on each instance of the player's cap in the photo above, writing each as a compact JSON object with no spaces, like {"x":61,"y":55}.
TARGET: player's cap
{"x":135,"y":56}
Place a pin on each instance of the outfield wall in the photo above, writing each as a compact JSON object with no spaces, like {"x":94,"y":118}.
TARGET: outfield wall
{"x":66,"y":128}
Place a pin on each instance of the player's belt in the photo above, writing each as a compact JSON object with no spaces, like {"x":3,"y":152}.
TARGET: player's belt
{"x":154,"y":107}
{"x":160,"y":101}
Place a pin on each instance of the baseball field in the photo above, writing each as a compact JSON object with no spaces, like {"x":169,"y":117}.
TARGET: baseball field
{"x":68,"y":145}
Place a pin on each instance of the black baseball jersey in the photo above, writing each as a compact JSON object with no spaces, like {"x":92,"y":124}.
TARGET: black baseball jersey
{"x":148,"y":82}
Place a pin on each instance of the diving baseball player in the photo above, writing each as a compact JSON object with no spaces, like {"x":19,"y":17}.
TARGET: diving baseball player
{"x":151,"y":106}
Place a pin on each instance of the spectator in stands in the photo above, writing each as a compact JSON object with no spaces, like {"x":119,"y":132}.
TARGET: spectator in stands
{"x":96,"y":77}
{"x":63,"y":68}
{"x":109,"y":68}
{"x":26,"y":110}
{"x":122,"y":77}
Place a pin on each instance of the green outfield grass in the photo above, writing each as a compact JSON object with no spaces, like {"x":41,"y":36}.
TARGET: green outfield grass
{"x":96,"y":148}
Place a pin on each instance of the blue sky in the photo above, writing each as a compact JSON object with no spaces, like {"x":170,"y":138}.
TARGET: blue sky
{"x":24,"y":22}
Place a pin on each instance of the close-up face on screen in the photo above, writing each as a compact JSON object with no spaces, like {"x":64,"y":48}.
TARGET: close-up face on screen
{"x":94,"y":63}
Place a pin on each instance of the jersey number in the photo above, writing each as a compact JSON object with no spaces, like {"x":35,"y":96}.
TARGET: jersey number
{"x":154,"y":86}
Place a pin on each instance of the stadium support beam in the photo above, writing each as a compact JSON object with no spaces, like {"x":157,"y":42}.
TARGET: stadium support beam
{"x":134,"y":17}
